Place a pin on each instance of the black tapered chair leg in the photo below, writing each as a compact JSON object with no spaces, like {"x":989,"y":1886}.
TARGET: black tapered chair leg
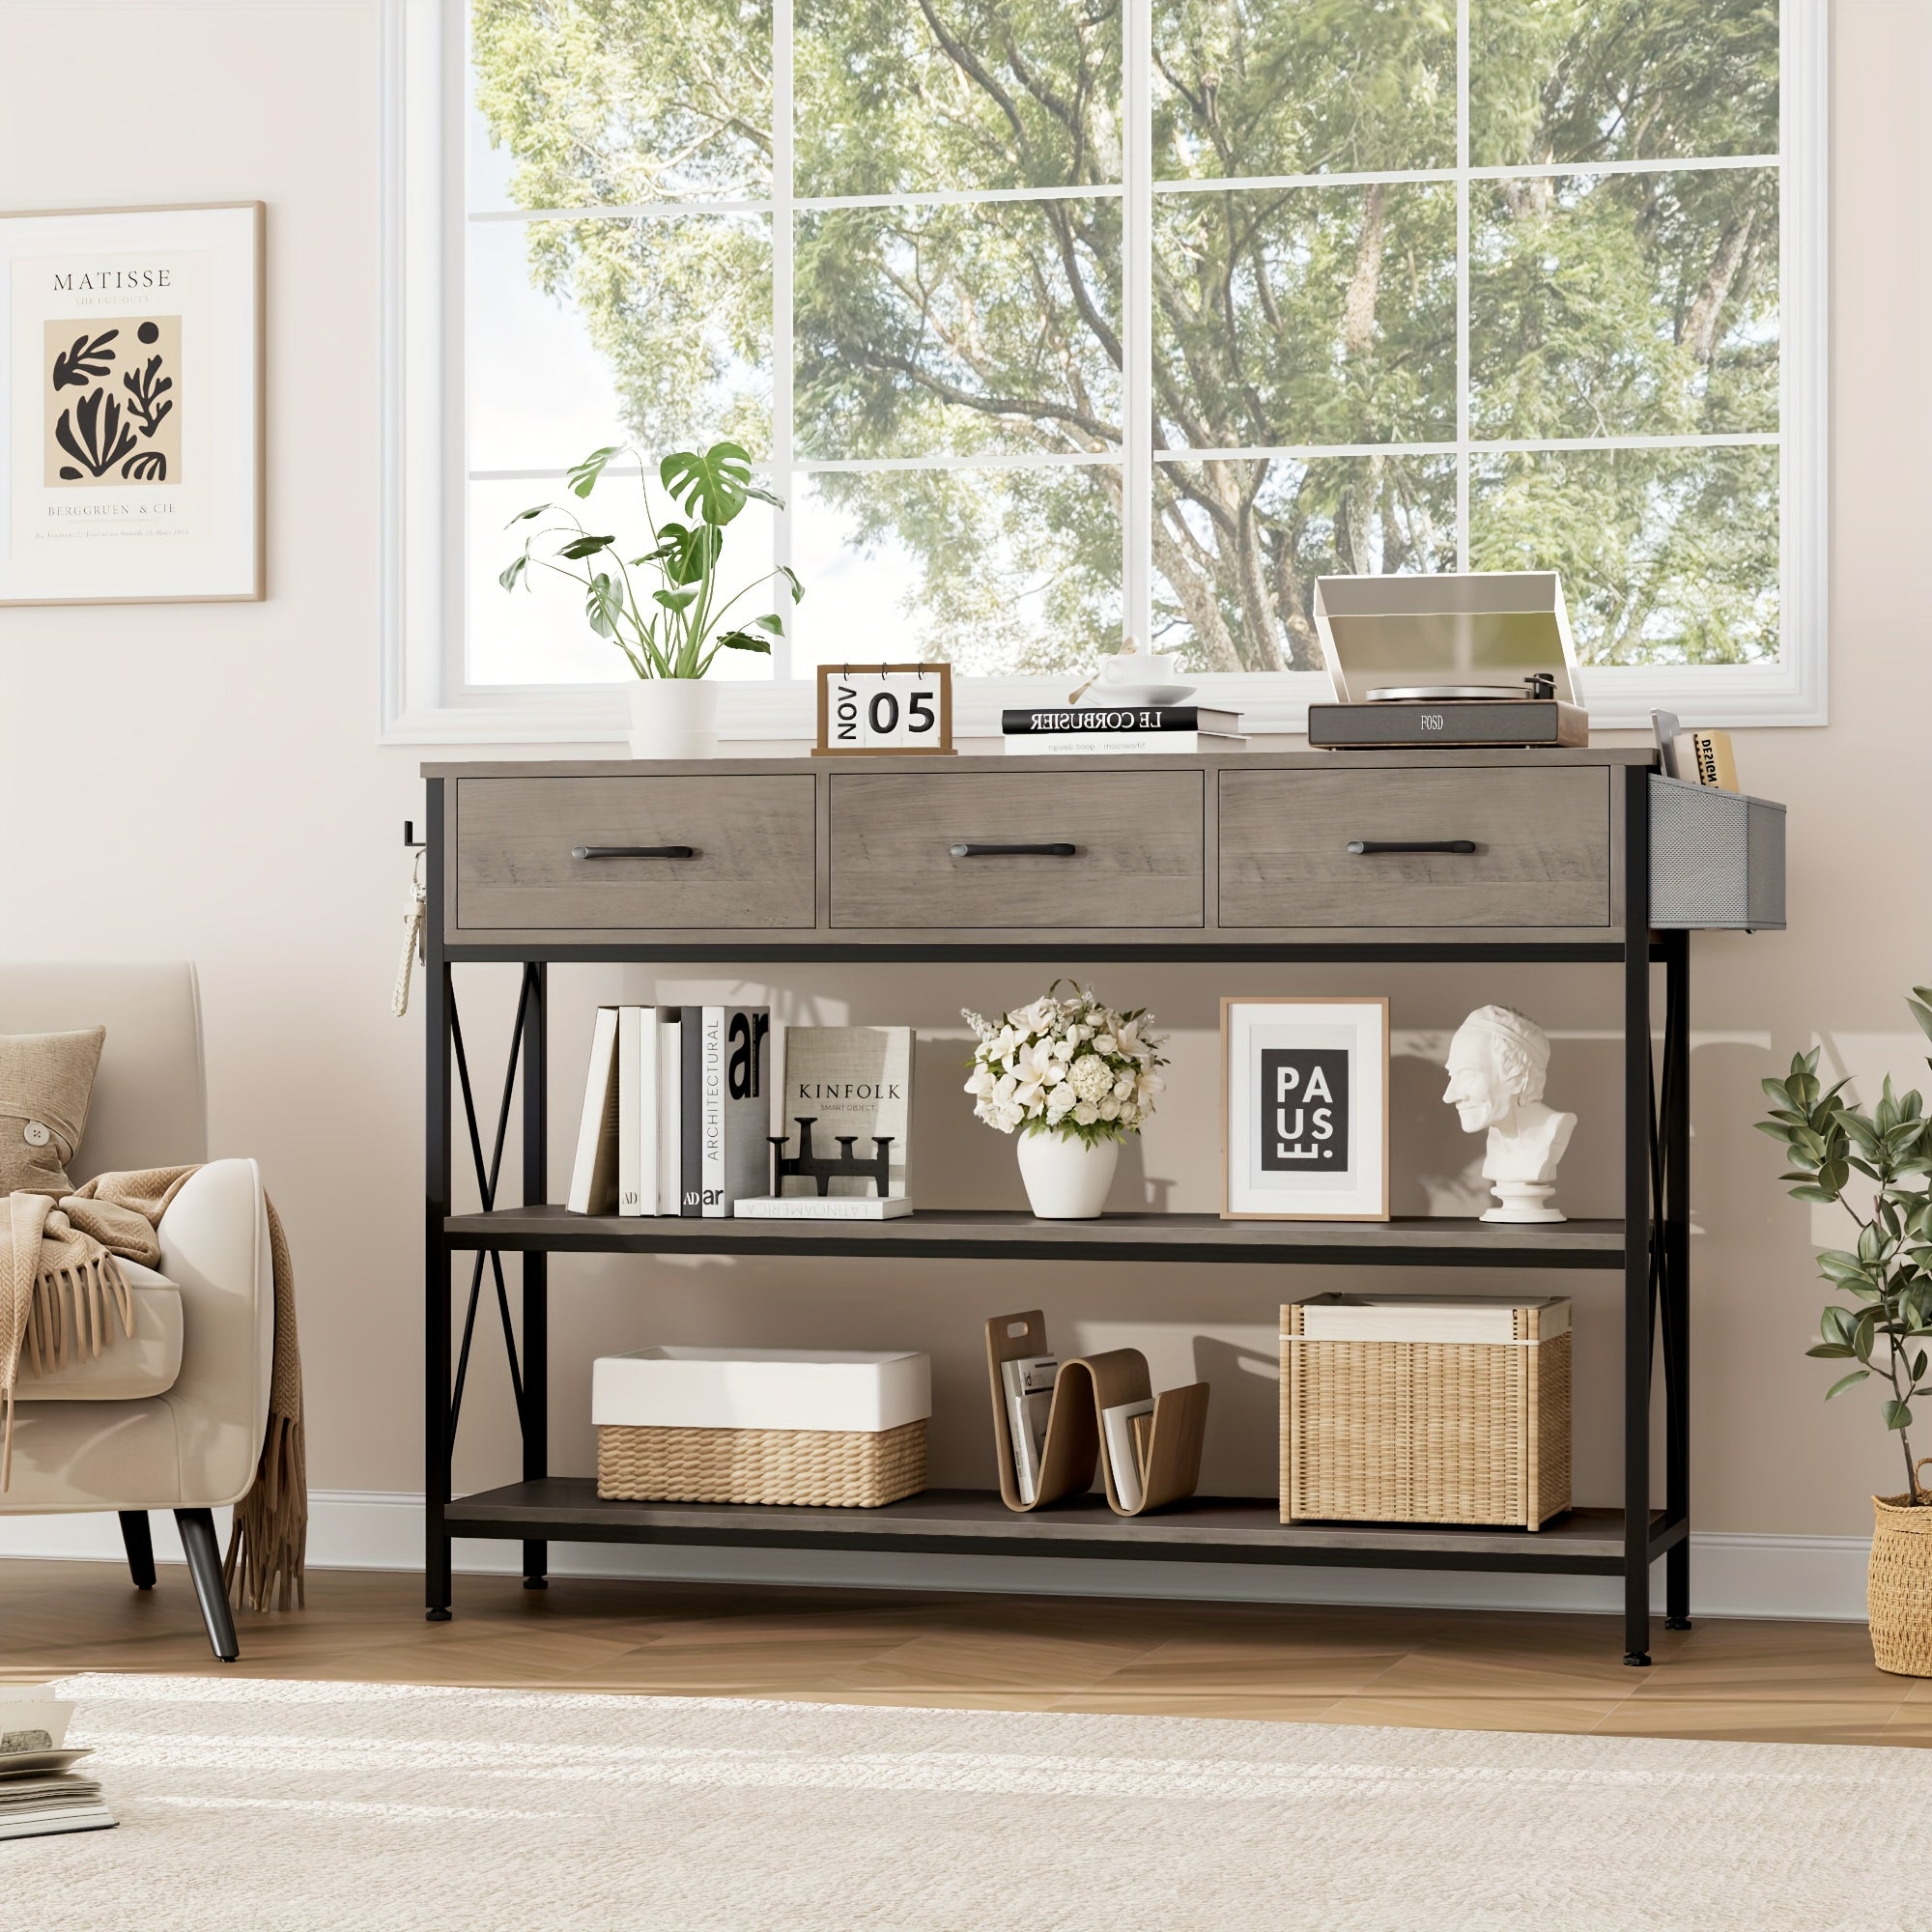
{"x":140,"y":1547}
{"x":204,"y":1562}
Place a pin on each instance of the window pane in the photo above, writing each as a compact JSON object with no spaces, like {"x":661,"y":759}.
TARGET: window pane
{"x":660,"y":328}
{"x":1239,"y":545}
{"x":1668,"y":555}
{"x":538,"y":633}
{"x":1297,"y":87}
{"x":1304,"y":316}
{"x":897,"y":97}
{"x":951,"y":330}
{"x":997,"y":571}
{"x":1614,"y":80}
{"x":605,"y":102}
{"x":1635,"y":304}
{"x":541,"y":392}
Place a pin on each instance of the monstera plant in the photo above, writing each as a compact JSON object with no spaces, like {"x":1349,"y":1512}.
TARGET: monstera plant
{"x":664,"y":609}
{"x":667,"y":618}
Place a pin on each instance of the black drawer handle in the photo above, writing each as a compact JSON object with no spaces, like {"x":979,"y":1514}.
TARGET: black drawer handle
{"x":1369,"y":848}
{"x":633,"y":851}
{"x":1060,"y":849}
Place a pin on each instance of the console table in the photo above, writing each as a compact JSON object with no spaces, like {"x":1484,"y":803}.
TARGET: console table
{"x":1560,"y":856}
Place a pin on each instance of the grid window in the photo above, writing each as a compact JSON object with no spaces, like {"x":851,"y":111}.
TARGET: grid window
{"x":1051,"y":317}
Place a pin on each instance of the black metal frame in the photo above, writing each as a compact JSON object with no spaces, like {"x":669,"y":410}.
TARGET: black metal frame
{"x":1654,"y":1260}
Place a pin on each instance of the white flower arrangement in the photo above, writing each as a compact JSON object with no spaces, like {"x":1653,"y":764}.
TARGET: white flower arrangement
{"x":1065,"y":1066}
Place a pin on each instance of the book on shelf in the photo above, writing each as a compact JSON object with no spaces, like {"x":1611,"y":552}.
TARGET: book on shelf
{"x":850,"y":1080}
{"x":671,"y":1109}
{"x":725,"y":1108}
{"x":637,"y":1110}
{"x":1084,"y":719}
{"x":821,"y":1208}
{"x":1027,"y":1383}
{"x":40,"y":1793}
{"x":1114,"y":744}
{"x":1118,"y":1442}
{"x":593,"y":1174}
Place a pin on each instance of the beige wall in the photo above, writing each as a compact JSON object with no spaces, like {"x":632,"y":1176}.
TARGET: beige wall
{"x":202,"y":782}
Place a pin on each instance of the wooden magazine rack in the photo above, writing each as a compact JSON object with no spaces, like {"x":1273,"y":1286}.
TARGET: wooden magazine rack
{"x":1084,"y":1387}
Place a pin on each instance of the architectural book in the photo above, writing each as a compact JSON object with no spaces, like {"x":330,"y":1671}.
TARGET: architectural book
{"x":725,"y":1107}
{"x":856,"y":1081}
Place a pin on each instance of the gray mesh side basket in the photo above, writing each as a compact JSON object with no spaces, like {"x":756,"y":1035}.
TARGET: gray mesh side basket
{"x":1717,"y":859}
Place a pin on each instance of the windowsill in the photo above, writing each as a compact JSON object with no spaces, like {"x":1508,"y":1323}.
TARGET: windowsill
{"x":1729,"y":696}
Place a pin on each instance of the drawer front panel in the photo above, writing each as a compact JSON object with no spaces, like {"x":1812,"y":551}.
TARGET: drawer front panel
{"x":752,"y":864}
{"x":1137,"y":839}
{"x":1540,"y":839}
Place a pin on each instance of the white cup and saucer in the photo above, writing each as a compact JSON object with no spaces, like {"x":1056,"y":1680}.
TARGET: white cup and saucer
{"x":1140,"y":678}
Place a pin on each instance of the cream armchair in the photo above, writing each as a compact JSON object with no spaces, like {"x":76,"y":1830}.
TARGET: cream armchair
{"x":173,"y":1417}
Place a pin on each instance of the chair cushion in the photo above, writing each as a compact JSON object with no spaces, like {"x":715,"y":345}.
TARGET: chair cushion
{"x":45,"y":1082}
{"x":129,"y":1367}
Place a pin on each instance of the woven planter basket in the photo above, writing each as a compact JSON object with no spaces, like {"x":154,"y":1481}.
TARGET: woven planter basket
{"x":1898,"y":1592}
{"x":836,"y":1468}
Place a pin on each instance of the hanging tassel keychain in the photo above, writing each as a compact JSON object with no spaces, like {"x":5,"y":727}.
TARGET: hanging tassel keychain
{"x":415,"y":920}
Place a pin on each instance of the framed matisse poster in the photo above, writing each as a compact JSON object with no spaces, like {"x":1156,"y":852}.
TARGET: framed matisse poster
{"x":131,"y":405}
{"x":1305,"y":1090}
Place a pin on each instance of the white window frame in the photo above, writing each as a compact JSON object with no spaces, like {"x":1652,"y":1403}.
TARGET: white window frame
{"x":423,"y":484}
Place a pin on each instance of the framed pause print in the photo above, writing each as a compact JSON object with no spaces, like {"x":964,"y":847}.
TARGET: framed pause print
{"x":1305,"y":1085}
{"x":884,"y":710}
{"x":131,"y":405}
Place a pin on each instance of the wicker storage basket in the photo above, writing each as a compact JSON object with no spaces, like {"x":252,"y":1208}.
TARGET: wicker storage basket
{"x":852,"y":1468}
{"x":1392,"y":1430}
{"x":1898,"y":1590}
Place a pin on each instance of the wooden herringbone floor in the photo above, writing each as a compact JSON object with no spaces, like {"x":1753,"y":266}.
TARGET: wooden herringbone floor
{"x":1805,"y":1683}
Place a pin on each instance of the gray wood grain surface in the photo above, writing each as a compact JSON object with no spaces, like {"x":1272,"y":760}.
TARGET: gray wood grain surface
{"x":1137,"y":864}
{"x":752,"y":838}
{"x":1542,"y":839}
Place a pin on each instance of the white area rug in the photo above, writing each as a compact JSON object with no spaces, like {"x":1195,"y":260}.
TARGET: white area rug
{"x":357,"y":1807}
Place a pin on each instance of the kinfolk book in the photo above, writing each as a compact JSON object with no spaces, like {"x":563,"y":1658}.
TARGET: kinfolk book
{"x":846,"y":1080}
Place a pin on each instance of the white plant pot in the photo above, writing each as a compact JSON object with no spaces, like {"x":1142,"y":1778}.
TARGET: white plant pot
{"x":1066,"y":1179}
{"x":673,"y":717}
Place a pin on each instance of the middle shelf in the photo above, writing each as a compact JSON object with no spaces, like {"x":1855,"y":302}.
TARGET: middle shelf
{"x":952,"y":1234}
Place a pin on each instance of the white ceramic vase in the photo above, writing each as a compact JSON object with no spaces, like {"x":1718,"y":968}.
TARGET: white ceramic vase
{"x":673,"y":717}
{"x":1066,"y":1179}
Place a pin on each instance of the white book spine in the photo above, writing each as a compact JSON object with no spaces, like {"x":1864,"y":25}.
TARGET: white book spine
{"x":1119,"y":744}
{"x":593,"y":1174}
{"x":647,"y":1111}
{"x":671,"y":1112}
{"x":630,"y":1111}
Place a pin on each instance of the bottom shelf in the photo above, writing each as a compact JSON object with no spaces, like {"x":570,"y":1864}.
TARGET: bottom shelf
{"x":1235,"y":1530}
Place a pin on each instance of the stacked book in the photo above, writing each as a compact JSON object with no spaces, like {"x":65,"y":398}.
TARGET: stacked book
{"x":676,"y":1111}
{"x":40,"y":1793}
{"x":1113,"y":729}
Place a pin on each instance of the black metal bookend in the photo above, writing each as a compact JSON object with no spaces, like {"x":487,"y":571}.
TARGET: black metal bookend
{"x":824,"y":1168}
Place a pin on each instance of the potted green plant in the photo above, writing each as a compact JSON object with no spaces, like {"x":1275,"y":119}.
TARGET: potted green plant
{"x":1884,"y":1323}
{"x":670,"y":620}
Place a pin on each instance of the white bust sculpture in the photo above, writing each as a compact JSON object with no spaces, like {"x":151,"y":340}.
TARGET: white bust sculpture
{"x":1497,"y":1065}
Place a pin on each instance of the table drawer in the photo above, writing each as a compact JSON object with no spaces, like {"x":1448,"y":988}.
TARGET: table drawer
{"x":1135,"y":858}
{"x":751,"y":841}
{"x":1540,"y":840}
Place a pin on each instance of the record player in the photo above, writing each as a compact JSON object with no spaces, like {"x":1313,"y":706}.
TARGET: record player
{"x":1474,"y":661}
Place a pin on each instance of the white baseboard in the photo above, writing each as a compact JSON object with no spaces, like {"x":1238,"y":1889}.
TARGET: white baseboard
{"x":1731,"y":1575}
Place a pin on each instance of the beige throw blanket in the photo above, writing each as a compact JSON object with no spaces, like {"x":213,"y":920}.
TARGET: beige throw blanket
{"x":60,"y":1279}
